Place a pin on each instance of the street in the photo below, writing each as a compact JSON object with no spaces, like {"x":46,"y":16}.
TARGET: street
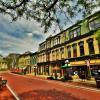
{"x":33,"y":88}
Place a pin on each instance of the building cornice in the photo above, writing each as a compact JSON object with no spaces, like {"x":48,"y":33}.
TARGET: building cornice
{"x":71,"y":40}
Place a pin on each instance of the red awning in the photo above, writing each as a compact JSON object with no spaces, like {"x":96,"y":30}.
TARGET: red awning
{"x":56,"y":68}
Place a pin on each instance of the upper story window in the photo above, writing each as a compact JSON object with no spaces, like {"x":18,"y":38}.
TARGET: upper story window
{"x":62,"y":52}
{"x":74,"y":50}
{"x":90,"y":45}
{"x":57,"y":54}
{"x":56,"y":40}
{"x":53,"y":55}
{"x":74,"y":33}
{"x":94,"y":24}
{"x":48,"y":44}
{"x":81,"y":46}
{"x":69,"y":51}
{"x":64,"y":37}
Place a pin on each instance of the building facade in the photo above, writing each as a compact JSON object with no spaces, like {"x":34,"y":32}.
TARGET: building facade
{"x":78,"y":44}
{"x":3,"y":63}
{"x":34,"y":62}
{"x":24,"y":62}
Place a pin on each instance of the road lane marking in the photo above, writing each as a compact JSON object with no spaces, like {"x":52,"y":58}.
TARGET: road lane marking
{"x":16,"y":97}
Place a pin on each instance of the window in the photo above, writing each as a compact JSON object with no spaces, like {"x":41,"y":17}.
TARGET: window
{"x":81,"y":45}
{"x":69,"y":51}
{"x":94,"y":24}
{"x":58,"y":40}
{"x":74,"y":50}
{"x":74,"y":33}
{"x":48,"y":44}
{"x":90,"y":46}
{"x":57,"y":54}
{"x":62,"y":52}
{"x":48,"y":56}
{"x":53,"y":55}
{"x":64,"y":37}
{"x":54,"y":41}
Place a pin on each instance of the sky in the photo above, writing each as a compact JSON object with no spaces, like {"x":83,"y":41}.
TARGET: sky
{"x":22,"y":35}
{"x":19,"y":36}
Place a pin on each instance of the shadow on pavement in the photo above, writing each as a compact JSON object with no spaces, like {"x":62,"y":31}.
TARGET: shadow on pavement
{"x":47,"y":95}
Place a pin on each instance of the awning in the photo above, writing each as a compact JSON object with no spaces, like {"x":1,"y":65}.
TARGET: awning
{"x":66,"y":66}
{"x":56,"y":68}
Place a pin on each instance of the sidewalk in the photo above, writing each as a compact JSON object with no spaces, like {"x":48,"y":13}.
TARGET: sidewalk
{"x":87,"y":83}
{"x":5,"y":94}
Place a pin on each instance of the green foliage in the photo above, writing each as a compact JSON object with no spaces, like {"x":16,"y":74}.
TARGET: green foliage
{"x":48,"y":12}
{"x":98,"y":35}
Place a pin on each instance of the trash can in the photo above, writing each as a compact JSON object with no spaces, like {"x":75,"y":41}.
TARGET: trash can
{"x":97,"y":82}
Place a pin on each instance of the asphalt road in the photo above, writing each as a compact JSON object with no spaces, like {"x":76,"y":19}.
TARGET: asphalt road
{"x":32,"y":88}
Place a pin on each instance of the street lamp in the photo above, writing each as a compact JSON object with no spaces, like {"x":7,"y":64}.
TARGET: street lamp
{"x":67,"y":66}
{"x":67,"y":62}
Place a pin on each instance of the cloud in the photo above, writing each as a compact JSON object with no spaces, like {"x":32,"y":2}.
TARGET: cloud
{"x":19,"y":36}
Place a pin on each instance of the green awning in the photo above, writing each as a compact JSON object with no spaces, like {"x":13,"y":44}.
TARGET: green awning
{"x":66,"y":66}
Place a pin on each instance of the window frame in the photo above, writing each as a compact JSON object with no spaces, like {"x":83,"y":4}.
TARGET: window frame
{"x":83,"y":52}
{"x":69,"y":51}
{"x":73,"y":31}
{"x":93,"y":20}
{"x":74,"y":49}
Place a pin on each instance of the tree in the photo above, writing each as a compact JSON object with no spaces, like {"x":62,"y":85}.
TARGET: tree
{"x":98,"y":36}
{"x":47,"y":11}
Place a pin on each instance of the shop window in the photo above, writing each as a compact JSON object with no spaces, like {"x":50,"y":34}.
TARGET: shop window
{"x":74,"y":33}
{"x":94,"y":24}
{"x":90,"y":46}
{"x":69,"y":51}
{"x":74,"y":50}
{"x":81,"y":45}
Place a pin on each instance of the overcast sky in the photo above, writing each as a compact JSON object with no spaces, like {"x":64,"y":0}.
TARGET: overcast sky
{"x":22,"y":35}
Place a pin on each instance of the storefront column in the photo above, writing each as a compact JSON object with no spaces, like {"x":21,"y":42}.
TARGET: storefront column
{"x":42,"y":70}
{"x":96,"y":46}
{"x":50,"y":69}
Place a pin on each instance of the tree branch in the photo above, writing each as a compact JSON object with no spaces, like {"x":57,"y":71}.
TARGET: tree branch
{"x":52,"y":5}
{"x":14,"y":6}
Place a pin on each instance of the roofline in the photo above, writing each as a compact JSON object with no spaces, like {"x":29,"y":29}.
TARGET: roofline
{"x":74,"y":24}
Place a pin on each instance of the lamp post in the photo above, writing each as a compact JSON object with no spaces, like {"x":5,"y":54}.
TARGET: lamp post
{"x":88,"y":66}
{"x":35,"y":68}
